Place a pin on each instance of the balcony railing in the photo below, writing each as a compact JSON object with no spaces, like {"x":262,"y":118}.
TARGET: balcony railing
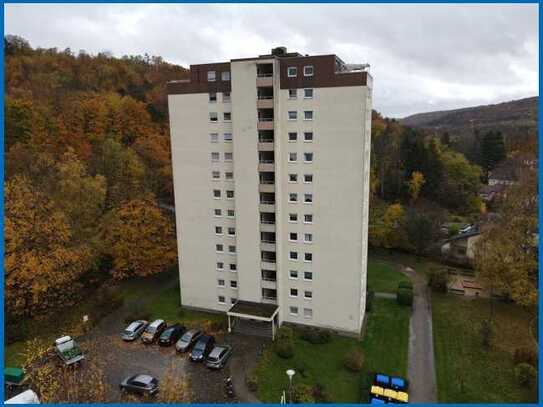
{"x":267,"y":181}
{"x":263,"y":161}
{"x":264,"y":74}
{"x":272,"y":279}
{"x":265,"y":119}
{"x":267,"y":201}
{"x":268,"y":241}
{"x":268,"y":260}
{"x":265,"y":140}
{"x":267,"y":222}
{"x":265,"y":97}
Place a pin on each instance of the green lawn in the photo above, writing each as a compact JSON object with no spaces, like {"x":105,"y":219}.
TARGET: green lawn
{"x":384,"y":345}
{"x":383,"y":277}
{"x":466,"y":372}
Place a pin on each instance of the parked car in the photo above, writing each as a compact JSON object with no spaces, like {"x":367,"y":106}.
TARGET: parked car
{"x":171,"y":335}
{"x":153,"y":331}
{"x":134,"y":330}
{"x":466,"y":229}
{"x":202,"y":348}
{"x":188,"y":339}
{"x":218,"y":357}
{"x":68,"y":350}
{"x":140,"y":384}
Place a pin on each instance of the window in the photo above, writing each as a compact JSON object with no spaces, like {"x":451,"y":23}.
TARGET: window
{"x":308,"y":218}
{"x":309,"y":70}
{"x":227,"y":137}
{"x":233,"y":267}
{"x":293,"y":197}
{"x":293,"y":237}
{"x":211,"y":76}
{"x":293,"y":310}
{"x":213,"y":117}
{"x":212,"y":97}
{"x":219,"y":248}
{"x":217,"y":193}
{"x":293,"y":217}
{"x":292,"y":93}
{"x":229,"y":175}
{"x":226,"y":97}
{"x":292,"y":71}
{"x":228,"y":116}
{"x":218,"y":212}
{"x":220,"y":265}
{"x":293,"y":292}
{"x":225,"y":76}
{"x":308,"y":275}
{"x":228,"y":156}
{"x":308,"y":115}
{"x":308,"y":178}
{"x":308,"y":93}
{"x":308,"y":136}
{"x":229,"y":194}
{"x":308,"y":313}
{"x":308,"y":295}
{"x":233,"y":284}
{"x":292,"y":157}
{"x":231,"y":231}
{"x":216,"y":174}
{"x":232,"y":249}
{"x":308,"y":237}
{"x":214,"y":137}
{"x":293,"y":255}
{"x":293,"y":274}
{"x":292,"y":177}
{"x":221,"y":299}
{"x":230,"y":213}
{"x":215,"y":156}
{"x":218,"y":230}
{"x":220,"y":282}
{"x":308,"y":257}
{"x":233,"y":300}
{"x":308,"y":157}
{"x":292,"y":136}
{"x":292,"y":115}
{"x":308,"y":198}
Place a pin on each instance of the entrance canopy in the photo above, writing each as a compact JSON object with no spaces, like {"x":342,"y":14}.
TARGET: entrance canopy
{"x":248,"y":310}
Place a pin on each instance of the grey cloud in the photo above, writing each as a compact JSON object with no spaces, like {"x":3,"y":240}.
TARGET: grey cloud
{"x":424,"y":57}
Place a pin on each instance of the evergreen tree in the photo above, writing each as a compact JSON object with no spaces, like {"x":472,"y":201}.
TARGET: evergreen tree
{"x":492,"y":150}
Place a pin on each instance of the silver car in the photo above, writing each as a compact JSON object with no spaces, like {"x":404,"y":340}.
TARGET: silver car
{"x":219,"y":356}
{"x":188,"y":339}
{"x":134,"y":330}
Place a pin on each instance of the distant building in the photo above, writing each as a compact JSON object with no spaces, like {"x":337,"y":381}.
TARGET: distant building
{"x":490,"y":192}
{"x":271,"y":161}
{"x":460,"y":248}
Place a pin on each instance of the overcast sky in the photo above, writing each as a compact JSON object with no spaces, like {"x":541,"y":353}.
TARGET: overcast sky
{"x":423,"y":57}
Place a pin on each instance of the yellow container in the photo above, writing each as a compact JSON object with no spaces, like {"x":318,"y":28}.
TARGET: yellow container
{"x":377,"y":390}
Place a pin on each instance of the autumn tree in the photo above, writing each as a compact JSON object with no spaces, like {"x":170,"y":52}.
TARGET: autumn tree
{"x":415,"y":185}
{"x":42,"y":265}
{"x":506,"y":255}
{"x":138,"y":238}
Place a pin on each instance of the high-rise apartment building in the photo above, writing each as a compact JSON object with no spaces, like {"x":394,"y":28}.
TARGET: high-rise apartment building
{"x":271,"y":161}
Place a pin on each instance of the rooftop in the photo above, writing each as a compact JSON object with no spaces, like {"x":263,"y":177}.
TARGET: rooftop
{"x":254,"y":308}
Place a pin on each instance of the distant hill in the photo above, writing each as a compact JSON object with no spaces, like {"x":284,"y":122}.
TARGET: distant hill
{"x":514,"y":118}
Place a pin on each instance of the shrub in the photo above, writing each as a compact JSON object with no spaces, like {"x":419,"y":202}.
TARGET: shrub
{"x":526,"y":355}
{"x":284,"y":333}
{"x":365,"y":386}
{"x":354,"y":360}
{"x":404,"y":296}
{"x":320,"y":395}
{"x":251,"y":379}
{"x":454,"y":230}
{"x":370,"y":295}
{"x":438,"y":280}
{"x":284,"y":349}
{"x":405,"y":284}
{"x":316,"y":336}
{"x":302,"y":394}
{"x":526,"y":374}
{"x":487,"y":332}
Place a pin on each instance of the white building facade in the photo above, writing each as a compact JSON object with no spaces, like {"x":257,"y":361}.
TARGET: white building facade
{"x":271,"y":161}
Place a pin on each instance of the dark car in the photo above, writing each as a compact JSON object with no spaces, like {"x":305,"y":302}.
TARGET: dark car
{"x":187,"y":340}
{"x":202,"y":348}
{"x":219,"y":356}
{"x":134,"y":330}
{"x":153,"y":331}
{"x":140,"y":383}
{"x":171,"y":335}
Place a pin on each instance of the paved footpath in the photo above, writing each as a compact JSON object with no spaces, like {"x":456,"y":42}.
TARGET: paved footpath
{"x":421,"y":365}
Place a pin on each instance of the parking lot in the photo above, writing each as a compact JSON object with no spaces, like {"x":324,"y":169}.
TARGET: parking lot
{"x":122,"y":359}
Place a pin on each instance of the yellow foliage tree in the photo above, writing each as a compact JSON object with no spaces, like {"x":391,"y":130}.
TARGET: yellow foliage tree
{"x":139,"y":239}
{"x":415,"y":185}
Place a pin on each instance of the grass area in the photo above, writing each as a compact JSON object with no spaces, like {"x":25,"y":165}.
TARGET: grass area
{"x":384,"y":346}
{"x":383,"y":277}
{"x":467,"y":372}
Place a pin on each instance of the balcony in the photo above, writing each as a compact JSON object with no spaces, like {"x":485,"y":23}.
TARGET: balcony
{"x":267,"y":222}
{"x":269,"y":295}
{"x":267,"y":182}
{"x":265,"y":123}
{"x":270,"y":284}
